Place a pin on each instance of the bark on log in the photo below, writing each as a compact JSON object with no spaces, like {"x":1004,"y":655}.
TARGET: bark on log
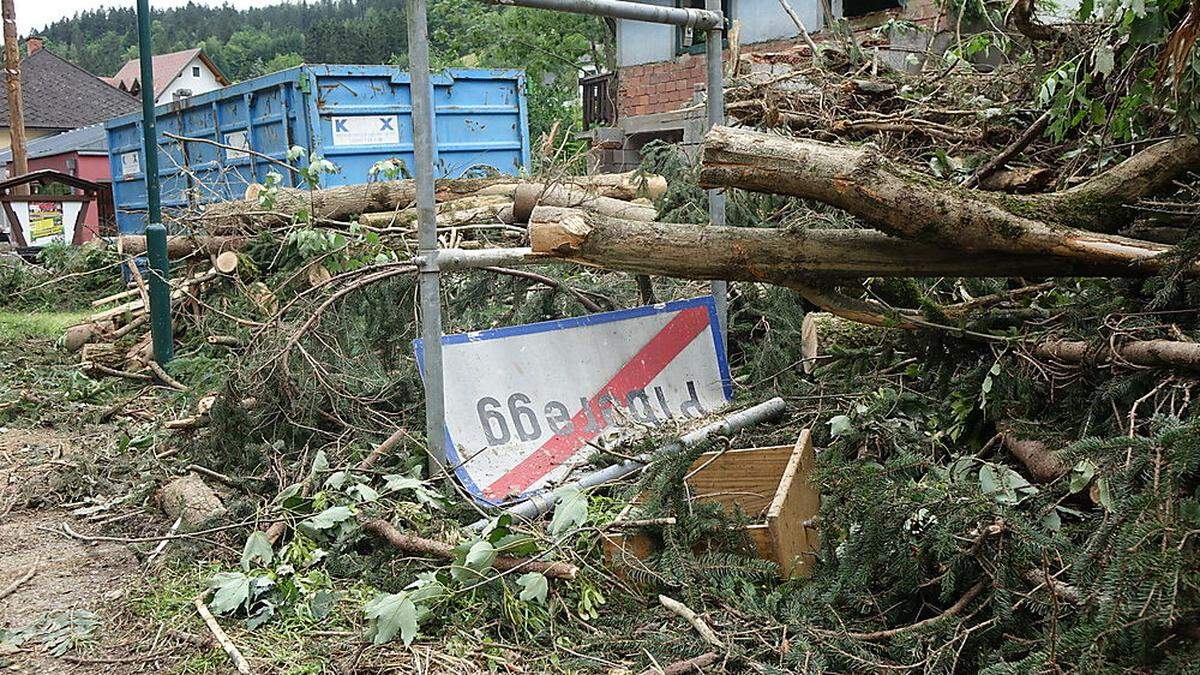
{"x":343,"y":203}
{"x":862,"y":182}
{"x":338,"y":203}
{"x":772,"y":255}
{"x":466,"y":211}
{"x":181,"y":246}
{"x":627,"y":186}
{"x":1041,"y":462}
{"x":1145,"y":353}
{"x":436,"y":549}
{"x":529,"y":196}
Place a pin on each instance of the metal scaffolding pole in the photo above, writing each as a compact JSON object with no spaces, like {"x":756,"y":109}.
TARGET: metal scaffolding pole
{"x":624,"y":9}
{"x":716,"y":116}
{"x":427,"y":243}
{"x":161,"y":332}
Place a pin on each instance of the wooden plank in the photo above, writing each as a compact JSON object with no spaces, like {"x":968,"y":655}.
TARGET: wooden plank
{"x":740,"y":479}
{"x":796,"y":502}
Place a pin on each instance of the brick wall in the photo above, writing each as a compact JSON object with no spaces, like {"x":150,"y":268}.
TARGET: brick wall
{"x":669,"y":85}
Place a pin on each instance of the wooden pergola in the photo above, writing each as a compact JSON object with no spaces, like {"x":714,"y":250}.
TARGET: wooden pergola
{"x":84,"y":192}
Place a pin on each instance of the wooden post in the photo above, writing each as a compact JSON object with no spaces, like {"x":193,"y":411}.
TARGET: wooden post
{"x":12,"y":76}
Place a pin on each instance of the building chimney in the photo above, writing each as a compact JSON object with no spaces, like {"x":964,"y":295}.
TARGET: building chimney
{"x":33,"y":43}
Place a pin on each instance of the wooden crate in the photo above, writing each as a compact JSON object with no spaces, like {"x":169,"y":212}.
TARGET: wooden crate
{"x":772,"y":486}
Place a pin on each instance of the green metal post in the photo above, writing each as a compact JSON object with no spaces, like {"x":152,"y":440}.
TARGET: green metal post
{"x":161,"y":332}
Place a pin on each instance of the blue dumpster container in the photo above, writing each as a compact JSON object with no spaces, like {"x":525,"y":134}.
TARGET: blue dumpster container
{"x":353,"y":116}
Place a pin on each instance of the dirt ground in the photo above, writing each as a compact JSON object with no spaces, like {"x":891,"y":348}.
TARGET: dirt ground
{"x":69,"y":576}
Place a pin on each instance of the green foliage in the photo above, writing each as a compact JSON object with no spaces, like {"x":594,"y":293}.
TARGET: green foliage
{"x":65,"y":277}
{"x":58,"y":632}
{"x":1139,"y":60}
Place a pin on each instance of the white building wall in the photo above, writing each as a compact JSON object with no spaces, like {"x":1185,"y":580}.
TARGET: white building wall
{"x":206,"y":81}
{"x":761,"y":20}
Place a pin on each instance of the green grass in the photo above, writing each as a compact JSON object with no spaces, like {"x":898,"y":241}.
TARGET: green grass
{"x":49,"y":325}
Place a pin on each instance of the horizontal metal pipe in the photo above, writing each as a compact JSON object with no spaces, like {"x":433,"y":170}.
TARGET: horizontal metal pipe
{"x":623,"y":9}
{"x":542,"y":503}
{"x":450,"y":259}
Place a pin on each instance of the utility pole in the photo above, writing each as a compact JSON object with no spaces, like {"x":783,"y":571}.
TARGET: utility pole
{"x":162,"y":335}
{"x":12,"y":78}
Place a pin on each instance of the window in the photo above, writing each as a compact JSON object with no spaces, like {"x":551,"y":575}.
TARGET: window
{"x":195,"y":71}
{"x":852,"y":8}
{"x":696,"y":45}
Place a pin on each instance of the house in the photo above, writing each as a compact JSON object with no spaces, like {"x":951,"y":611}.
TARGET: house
{"x":59,"y":95}
{"x":659,"y":82}
{"x":82,"y":153}
{"x":176,"y":75}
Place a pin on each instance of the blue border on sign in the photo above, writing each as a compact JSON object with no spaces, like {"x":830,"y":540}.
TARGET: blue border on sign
{"x":705,"y":301}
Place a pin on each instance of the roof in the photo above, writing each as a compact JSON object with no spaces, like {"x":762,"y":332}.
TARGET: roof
{"x":58,"y":94}
{"x":89,"y":140}
{"x":167,"y":67}
{"x":45,"y":176}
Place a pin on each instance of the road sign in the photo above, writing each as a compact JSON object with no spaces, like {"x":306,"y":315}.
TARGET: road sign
{"x":524,"y":403}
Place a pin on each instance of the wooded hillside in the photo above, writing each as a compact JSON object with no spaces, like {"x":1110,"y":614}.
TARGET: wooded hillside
{"x":251,"y":42}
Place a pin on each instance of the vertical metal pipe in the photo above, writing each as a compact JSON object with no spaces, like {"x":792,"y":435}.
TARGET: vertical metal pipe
{"x":161,"y":332}
{"x":431,"y":307}
{"x":716,"y":115}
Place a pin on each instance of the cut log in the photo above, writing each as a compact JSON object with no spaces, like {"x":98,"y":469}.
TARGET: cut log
{"x":628,"y":185}
{"x":182,"y":246}
{"x":466,"y":211}
{"x":1141,"y":353}
{"x":226,"y":262}
{"x":77,"y":336}
{"x":1042,"y":464}
{"x":346,"y":202}
{"x":529,"y":196}
{"x":860,"y":181}
{"x":772,"y":255}
{"x":1144,"y":353}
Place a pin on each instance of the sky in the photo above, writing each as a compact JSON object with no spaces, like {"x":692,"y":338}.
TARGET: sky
{"x":32,"y":15}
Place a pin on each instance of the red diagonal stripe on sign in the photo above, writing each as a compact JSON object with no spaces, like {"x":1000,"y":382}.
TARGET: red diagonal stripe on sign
{"x":637,"y":373}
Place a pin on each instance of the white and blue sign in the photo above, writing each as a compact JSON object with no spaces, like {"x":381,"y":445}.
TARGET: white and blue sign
{"x":525,"y":403}
{"x":366,"y":130}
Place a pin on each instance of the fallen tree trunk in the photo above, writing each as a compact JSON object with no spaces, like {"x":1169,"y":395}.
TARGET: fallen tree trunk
{"x":531,"y":195}
{"x":1141,"y":353}
{"x":772,"y":255}
{"x":474,"y":210}
{"x":1144,"y":353}
{"x":1042,"y":464}
{"x":182,"y":246}
{"x":349,"y":201}
{"x":859,"y":180}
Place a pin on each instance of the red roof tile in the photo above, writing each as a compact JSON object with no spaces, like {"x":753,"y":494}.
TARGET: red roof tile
{"x":166,"y":68}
